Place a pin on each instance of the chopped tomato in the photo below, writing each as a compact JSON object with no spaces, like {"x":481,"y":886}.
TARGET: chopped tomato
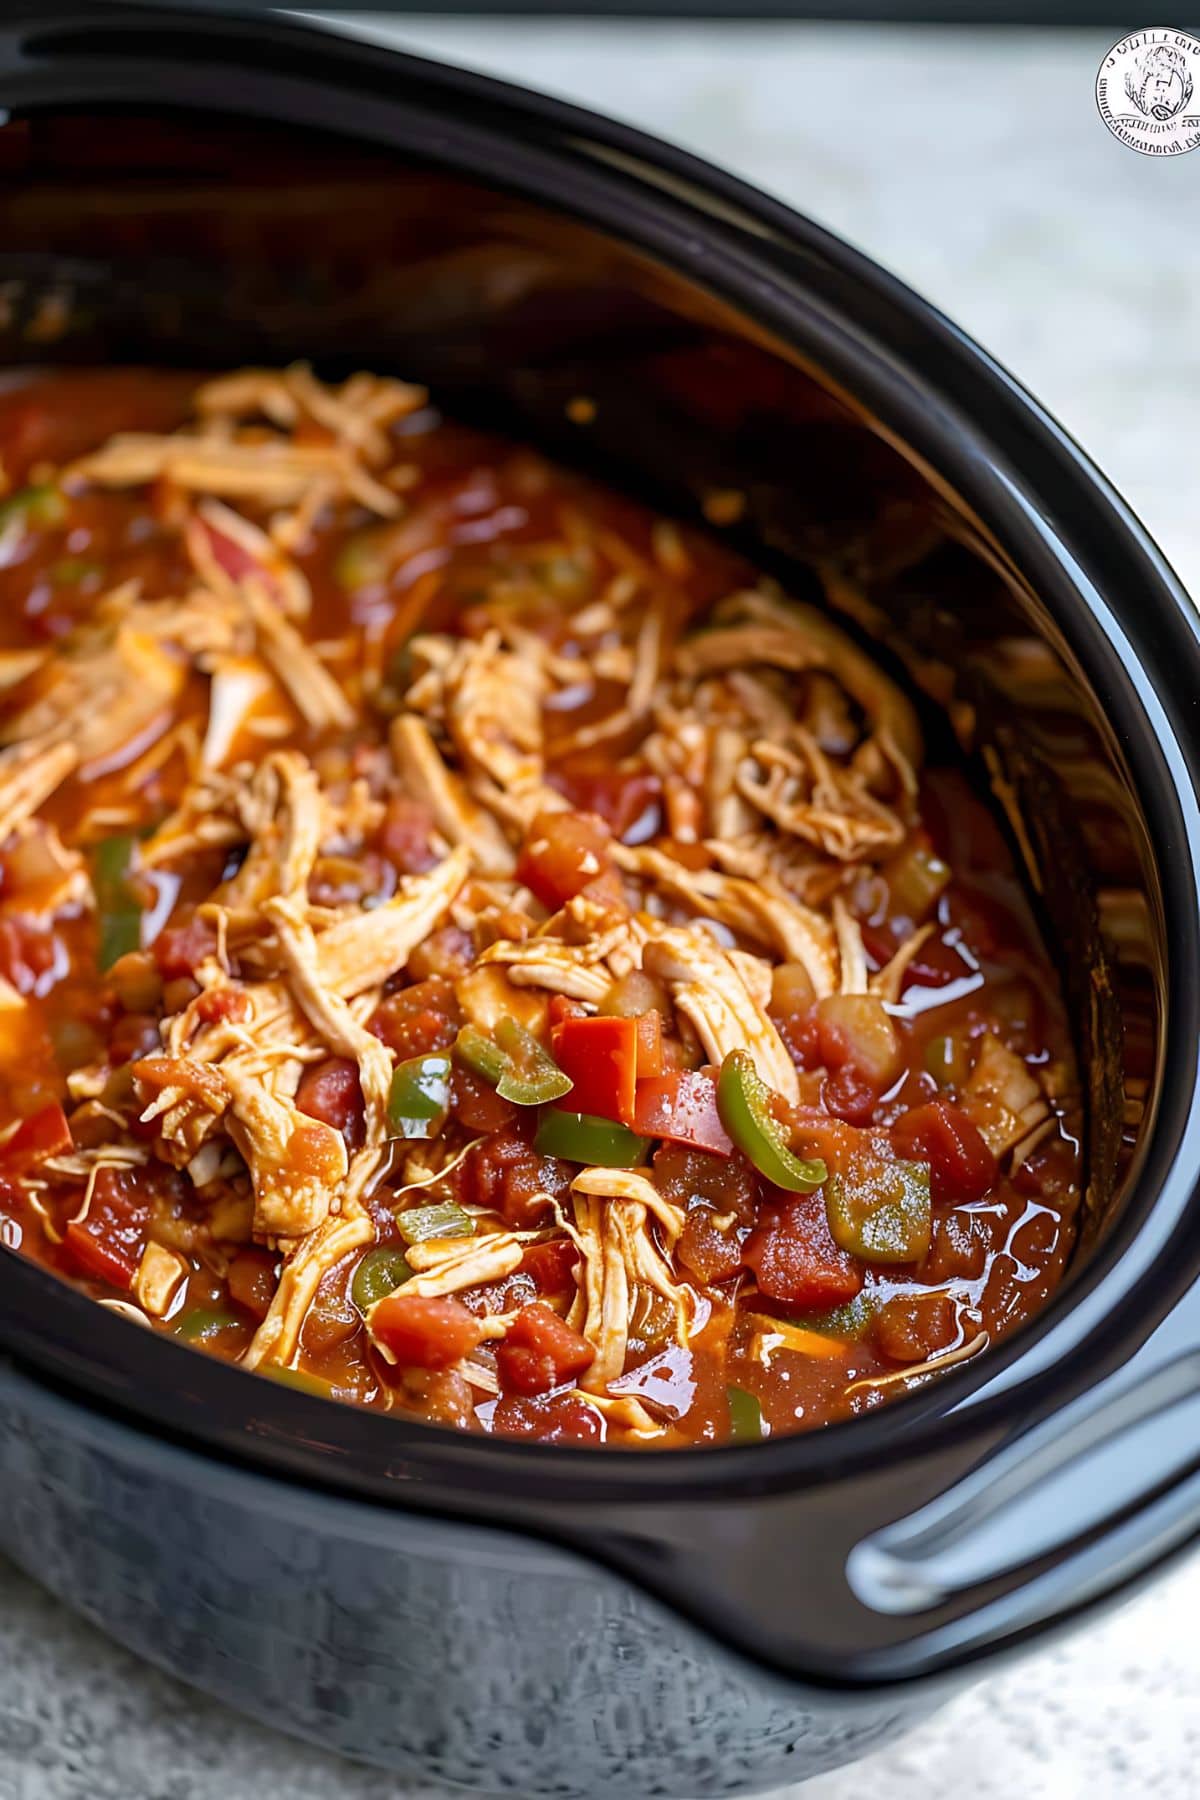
{"x":850,"y":1095}
{"x":28,"y":953}
{"x":541,"y":1351}
{"x":253,"y":1278}
{"x":629,"y":802}
{"x":552,"y":1266}
{"x":107,"y":1245}
{"x":44,"y":1133}
{"x":506,"y":1173}
{"x":910,"y":1328}
{"x":801,"y":1036}
{"x":649,"y":1043}
{"x":961,"y":1166}
{"x":600,"y":1057}
{"x":710,"y":1251}
{"x":795,"y":1259}
{"x":418,"y":1019}
{"x":551,"y":1419}
{"x":476,"y":1103}
{"x":727,"y":1183}
{"x":565,"y":853}
{"x":682,"y":1107}
{"x":330,"y":1091}
{"x":423,"y":1331}
{"x":220,"y":1003}
{"x":935,"y":965}
{"x":406,"y":836}
{"x":180,"y":949}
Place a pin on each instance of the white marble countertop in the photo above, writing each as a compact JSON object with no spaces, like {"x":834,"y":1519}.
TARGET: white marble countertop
{"x":973,"y":164}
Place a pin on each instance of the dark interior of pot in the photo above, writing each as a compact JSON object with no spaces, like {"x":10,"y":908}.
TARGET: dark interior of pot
{"x":178,"y":240}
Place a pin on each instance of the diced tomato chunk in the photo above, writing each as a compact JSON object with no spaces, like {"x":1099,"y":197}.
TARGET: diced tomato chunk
{"x":961,"y":1166}
{"x":28,"y":953}
{"x":600,"y":1057}
{"x":552,"y":1266}
{"x":253,"y":1278}
{"x":552,"y":1419}
{"x":795,"y":1259}
{"x":682,"y":1107}
{"x":935,"y":965}
{"x":331,"y":1091}
{"x":506,"y":1173}
{"x":563,"y":854}
{"x":406,"y":836}
{"x":44,"y":1133}
{"x":423,"y":1331}
{"x":688,"y":1177}
{"x":220,"y":1003}
{"x":180,"y":949}
{"x":710,"y":1252}
{"x":107,"y":1245}
{"x":541,"y":1351}
{"x":418,"y":1019}
{"x":477,"y":1105}
{"x":628,"y":802}
{"x":850,"y":1095}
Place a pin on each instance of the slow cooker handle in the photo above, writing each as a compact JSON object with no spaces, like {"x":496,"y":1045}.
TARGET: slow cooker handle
{"x":1071,"y":1509}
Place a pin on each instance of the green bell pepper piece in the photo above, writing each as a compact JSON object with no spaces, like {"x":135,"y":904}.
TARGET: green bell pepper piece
{"x":514,"y":1062}
{"x":947,"y":1061}
{"x":118,"y":913}
{"x":848,"y":1321}
{"x":420,"y":1096}
{"x":879,"y":1209}
{"x":380,"y":1272}
{"x":201,"y":1323}
{"x":31,"y":507}
{"x":582,"y":1138}
{"x":297,"y":1378}
{"x":745,"y":1416}
{"x":69,"y":571}
{"x":743,"y":1103}
{"x":416,"y":1224}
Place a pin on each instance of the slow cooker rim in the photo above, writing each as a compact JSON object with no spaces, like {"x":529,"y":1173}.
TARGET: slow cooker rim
{"x":564,"y":133}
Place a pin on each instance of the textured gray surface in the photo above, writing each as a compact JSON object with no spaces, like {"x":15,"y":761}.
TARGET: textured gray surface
{"x":976,"y":167}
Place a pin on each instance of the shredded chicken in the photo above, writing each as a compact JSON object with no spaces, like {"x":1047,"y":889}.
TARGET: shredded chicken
{"x":29,"y":774}
{"x":710,"y":989}
{"x":457,"y":816}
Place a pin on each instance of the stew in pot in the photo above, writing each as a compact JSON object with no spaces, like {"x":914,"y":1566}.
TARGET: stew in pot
{"x":474,"y":949}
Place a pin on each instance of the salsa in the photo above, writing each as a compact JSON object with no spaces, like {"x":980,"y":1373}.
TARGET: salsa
{"x":475,"y":949}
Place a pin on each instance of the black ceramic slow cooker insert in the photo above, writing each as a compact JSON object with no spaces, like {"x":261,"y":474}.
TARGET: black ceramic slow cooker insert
{"x":543,"y":1620}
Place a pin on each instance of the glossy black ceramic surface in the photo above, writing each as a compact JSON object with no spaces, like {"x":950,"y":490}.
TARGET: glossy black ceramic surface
{"x":179,"y":191}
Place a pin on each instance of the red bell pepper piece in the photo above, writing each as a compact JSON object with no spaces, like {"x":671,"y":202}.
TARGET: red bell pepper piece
{"x":649,"y":1044}
{"x":682,"y":1106}
{"x":107,"y":1244}
{"x":600,"y":1056}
